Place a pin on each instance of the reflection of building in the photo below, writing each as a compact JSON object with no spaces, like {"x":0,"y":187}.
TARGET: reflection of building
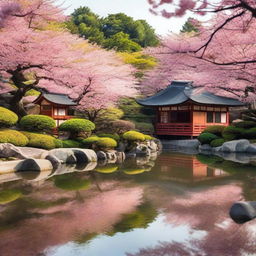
{"x":184,"y":111}
{"x":55,"y":105}
{"x":186,"y":168}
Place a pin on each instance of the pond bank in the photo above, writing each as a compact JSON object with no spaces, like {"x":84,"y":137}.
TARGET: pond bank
{"x":33,"y":159}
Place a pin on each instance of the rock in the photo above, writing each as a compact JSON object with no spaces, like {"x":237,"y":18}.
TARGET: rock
{"x":242,"y":212}
{"x":153,"y":146}
{"x":9,"y":150}
{"x":54,"y":161}
{"x":63,"y":155}
{"x":88,"y":167}
{"x":205,"y":147}
{"x":111,"y":157}
{"x":251,"y":149}
{"x":32,"y":152}
{"x":122,"y":146}
{"x":235,"y":146}
{"x":120,"y":157}
{"x":142,"y":150}
{"x":91,"y":155}
{"x":101,"y":155}
{"x":217,"y":149}
{"x":31,"y":165}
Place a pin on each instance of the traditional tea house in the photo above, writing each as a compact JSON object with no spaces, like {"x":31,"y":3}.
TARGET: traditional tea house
{"x":56,"y":106}
{"x":182,"y":110}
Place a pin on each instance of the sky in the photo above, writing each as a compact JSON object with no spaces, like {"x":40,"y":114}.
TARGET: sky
{"x":138,"y":9}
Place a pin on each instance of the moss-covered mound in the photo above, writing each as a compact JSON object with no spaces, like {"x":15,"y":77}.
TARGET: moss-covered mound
{"x":106,"y":143}
{"x":41,"y":140}
{"x":7,"y":118}
{"x":134,"y":136}
{"x":37,"y":123}
{"x":14,"y":137}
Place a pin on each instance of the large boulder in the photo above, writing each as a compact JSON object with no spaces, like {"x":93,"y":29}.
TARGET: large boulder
{"x":90,"y":155}
{"x":142,"y":150}
{"x":205,"y":147}
{"x":64,"y":155}
{"x":235,"y":146}
{"x":111,"y":156}
{"x":102,"y":156}
{"x":152,"y":145}
{"x":9,"y":150}
{"x":251,"y":149}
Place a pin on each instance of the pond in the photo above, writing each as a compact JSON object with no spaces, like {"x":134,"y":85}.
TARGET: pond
{"x":177,"y":204}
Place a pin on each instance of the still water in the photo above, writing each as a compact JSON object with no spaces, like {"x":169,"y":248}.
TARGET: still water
{"x":176,"y":204}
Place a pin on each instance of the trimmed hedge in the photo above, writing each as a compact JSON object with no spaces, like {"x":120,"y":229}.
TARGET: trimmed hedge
{"x":43,"y":141}
{"x":71,"y":144}
{"x":134,"y":136}
{"x":232,"y":133}
{"x":245,"y":124}
{"x":77,"y":125}
{"x":217,"y":142}
{"x":106,"y":143}
{"x":14,"y":137}
{"x":250,"y":134}
{"x":37,"y":123}
{"x":215,"y":129}
{"x":7,"y":118}
{"x":207,"y":138}
{"x":148,"y":137}
{"x":114,"y":136}
{"x":90,"y":140}
{"x":58,"y":143}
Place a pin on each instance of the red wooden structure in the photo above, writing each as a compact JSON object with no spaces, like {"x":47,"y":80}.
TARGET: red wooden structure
{"x":56,"y":106}
{"x":182,"y":111}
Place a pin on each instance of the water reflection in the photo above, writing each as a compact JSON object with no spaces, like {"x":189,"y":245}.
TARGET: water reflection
{"x":174,"y":205}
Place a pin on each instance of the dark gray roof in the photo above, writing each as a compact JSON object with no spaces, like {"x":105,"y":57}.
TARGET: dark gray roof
{"x":61,"y":99}
{"x":179,"y":92}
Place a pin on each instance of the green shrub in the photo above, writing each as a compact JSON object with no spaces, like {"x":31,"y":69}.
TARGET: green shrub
{"x":58,"y":143}
{"x":91,"y":140}
{"x":134,"y":136}
{"x":115,"y":136}
{"x":77,"y":125}
{"x":14,"y":137}
{"x":7,"y":118}
{"x":206,"y":137}
{"x":71,"y":144}
{"x":232,"y":133}
{"x":10,"y":195}
{"x":250,"y":133}
{"x":37,"y":123}
{"x":106,"y":143}
{"x":37,"y":140}
{"x":245,"y":124}
{"x":215,"y":129}
{"x":217,"y":142}
{"x":71,"y":183}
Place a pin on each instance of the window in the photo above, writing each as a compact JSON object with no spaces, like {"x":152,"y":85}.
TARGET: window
{"x":223,"y":118}
{"x":164,"y":117}
{"x":180,"y":117}
{"x":209,"y":117}
{"x":59,"y":111}
{"x":47,"y":107}
{"x":217,"y":117}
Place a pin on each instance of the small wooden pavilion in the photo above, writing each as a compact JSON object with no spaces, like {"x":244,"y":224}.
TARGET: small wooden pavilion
{"x":183,"y":111}
{"x":56,"y":106}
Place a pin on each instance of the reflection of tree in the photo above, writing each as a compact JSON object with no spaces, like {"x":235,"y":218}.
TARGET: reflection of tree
{"x":141,"y":218}
{"x":205,"y":210}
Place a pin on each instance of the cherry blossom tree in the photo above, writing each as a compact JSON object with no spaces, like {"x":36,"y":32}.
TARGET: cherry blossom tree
{"x":35,"y":57}
{"x":223,"y":62}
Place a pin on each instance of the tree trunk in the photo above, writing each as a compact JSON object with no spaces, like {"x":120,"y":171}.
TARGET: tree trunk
{"x":17,"y":105}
